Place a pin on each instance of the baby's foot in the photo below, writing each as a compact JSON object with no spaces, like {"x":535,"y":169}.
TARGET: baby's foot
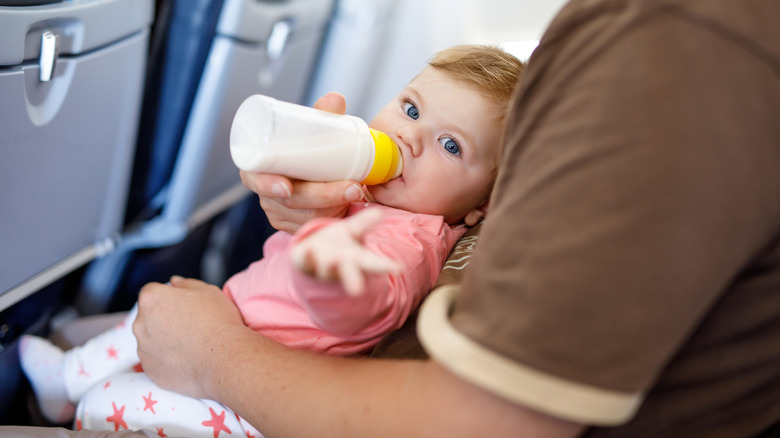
{"x":42,"y":364}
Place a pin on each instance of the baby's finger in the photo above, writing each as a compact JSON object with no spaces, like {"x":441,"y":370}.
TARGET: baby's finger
{"x":325,"y":268}
{"x":377,"y":264}
{"x":363,"y":221}
{"x":303,"y":259}
{"x":351,"y":278}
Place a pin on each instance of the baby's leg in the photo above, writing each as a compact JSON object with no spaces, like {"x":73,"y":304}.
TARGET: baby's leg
{"x":41,"y":362}
{"x":59,"y":379}
{"x":132,"y":401}
{"x":111,"y":352}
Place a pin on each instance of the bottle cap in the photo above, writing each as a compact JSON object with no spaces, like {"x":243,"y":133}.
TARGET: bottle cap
{"x":388,"y":163}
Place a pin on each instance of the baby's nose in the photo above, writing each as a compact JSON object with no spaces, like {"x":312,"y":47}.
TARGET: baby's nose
{"x":413,"y":137}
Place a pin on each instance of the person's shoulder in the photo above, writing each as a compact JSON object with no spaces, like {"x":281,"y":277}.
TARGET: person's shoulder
{"x":729,"y":13}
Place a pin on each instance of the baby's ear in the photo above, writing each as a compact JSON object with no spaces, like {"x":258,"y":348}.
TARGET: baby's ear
{"x":477,"y":214}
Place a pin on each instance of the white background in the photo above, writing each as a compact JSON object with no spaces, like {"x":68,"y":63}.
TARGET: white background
{"x":376,"y":46}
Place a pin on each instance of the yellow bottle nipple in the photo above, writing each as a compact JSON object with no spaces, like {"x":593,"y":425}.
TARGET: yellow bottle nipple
{"x":388,"y":162}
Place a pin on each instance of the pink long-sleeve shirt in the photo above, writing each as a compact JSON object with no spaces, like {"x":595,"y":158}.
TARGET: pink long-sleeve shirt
{"x":278,"y":301}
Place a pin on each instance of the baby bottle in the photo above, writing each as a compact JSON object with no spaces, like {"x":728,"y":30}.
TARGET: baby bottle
{"x":272,"y":136}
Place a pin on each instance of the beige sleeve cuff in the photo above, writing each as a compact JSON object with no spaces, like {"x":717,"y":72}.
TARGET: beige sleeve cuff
{"x":514,"y":381}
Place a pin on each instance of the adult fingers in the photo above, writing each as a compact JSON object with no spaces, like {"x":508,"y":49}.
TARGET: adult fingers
{"x":290,"y":220}
{"x":332,"y":102}
{"x":315,"y":195}
{"x":189,"y":283}
{"x":267,"y":185}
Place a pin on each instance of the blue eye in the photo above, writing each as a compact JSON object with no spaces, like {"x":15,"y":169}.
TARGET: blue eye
{"x":411,"y":110}
{"x":450,"y":145}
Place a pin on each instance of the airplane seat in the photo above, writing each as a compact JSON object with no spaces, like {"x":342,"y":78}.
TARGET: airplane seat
{"x":65,"y":160}
{"x":72,"y":78}
{"x":186,"y":212}
{"x":268,"y":47}
{"x":178,"y":51}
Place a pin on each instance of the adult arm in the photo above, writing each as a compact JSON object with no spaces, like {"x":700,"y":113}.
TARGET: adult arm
{"x":632,"y":228}
{"x":192,"y":340}
{"x":290,"y":203}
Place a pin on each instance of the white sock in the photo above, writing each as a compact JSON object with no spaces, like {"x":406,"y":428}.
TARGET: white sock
{"x":42,"y":364}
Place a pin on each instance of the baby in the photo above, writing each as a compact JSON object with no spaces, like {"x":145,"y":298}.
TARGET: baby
{"x":338,"y":285}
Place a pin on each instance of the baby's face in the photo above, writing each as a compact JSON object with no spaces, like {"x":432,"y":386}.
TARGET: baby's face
{"x":448,"y":136}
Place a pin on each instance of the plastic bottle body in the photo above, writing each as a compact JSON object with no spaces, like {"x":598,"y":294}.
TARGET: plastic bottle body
{"x":273,"y":136}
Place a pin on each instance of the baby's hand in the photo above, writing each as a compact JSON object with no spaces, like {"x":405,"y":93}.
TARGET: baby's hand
{"x":336,"y":253}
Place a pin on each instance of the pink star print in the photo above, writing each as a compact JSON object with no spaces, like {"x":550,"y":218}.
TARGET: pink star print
{"x":161,"y":432}
{"x":149,"y":403}
{"x":117,"y":417}
{"x":112,"y":352}
{"x":248,"y":435}
{"x":217,"y":422}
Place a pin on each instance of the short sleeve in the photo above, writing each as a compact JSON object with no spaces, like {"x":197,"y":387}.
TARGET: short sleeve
{"x":623,"y":212}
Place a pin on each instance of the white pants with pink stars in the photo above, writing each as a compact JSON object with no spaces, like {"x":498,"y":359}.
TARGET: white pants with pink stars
{"x":131,"y":401}
{"x":112,"y":351}
{"x":97,"y":376}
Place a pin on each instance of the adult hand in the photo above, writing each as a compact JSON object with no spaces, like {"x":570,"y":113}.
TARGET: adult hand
{"x":191,"y":340}
{"x":289,"y":203}
{"x":177,"y":328}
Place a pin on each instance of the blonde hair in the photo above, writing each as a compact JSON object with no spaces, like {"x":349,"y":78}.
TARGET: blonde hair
{"x":490,"y":69}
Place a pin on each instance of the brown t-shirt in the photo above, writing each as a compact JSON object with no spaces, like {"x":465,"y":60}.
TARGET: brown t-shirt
{"x":403,"y":343}
{"x":628,"y":273}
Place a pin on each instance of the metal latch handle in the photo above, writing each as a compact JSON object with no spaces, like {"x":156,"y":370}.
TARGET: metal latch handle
{"x":277,"y":40}
{"x":48,"y":58}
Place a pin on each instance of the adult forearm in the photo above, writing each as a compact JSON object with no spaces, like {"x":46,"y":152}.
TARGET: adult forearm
{"x":191,"y":340}
{"x":285,"y":392}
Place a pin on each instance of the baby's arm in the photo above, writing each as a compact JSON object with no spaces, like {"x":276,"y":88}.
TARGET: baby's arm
{"x":336,"y":253}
